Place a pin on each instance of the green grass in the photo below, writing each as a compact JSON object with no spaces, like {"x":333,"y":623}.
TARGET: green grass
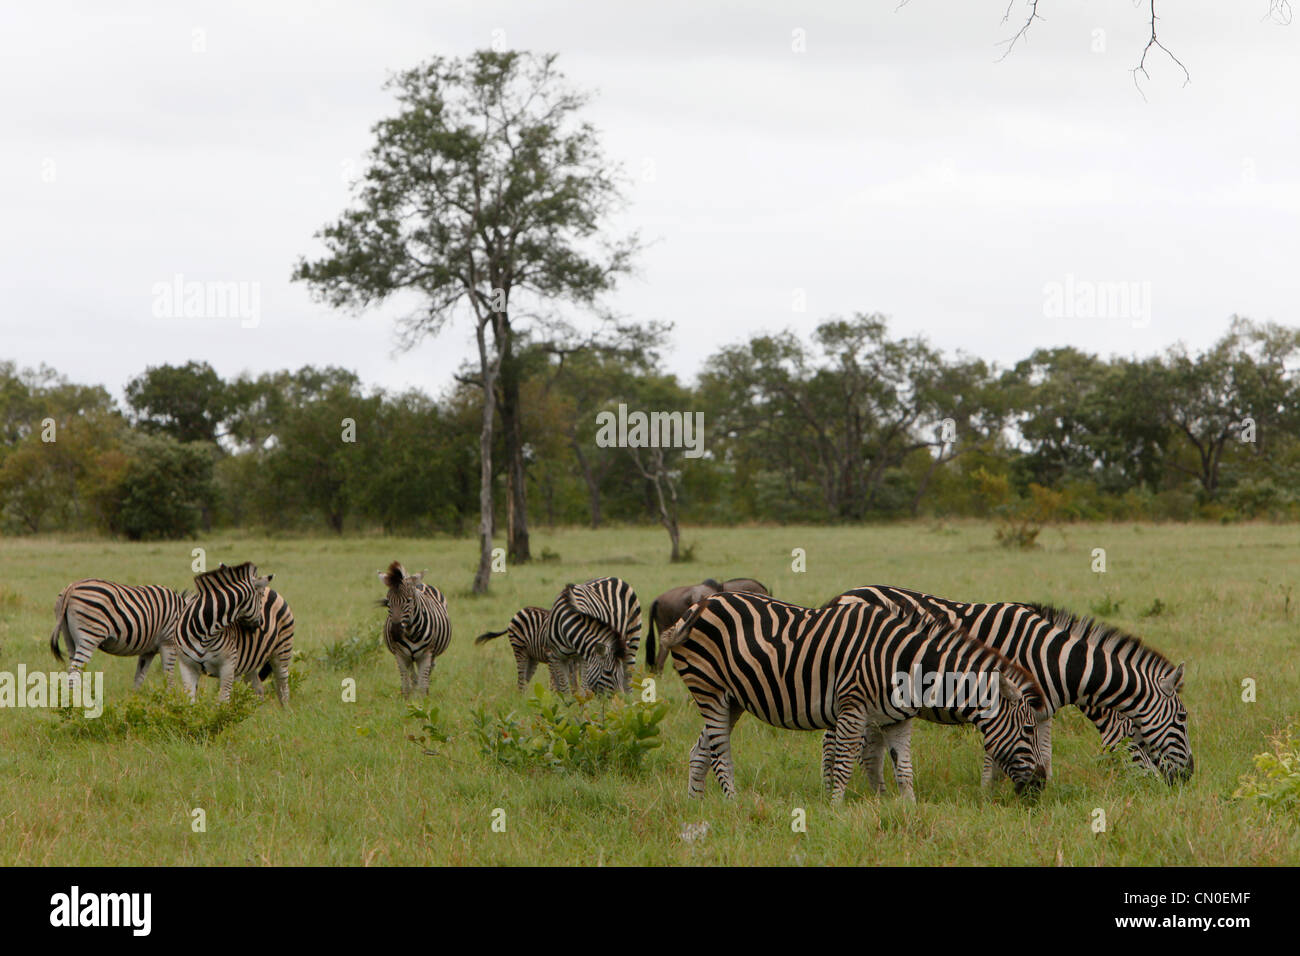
{"x":329,"y":782}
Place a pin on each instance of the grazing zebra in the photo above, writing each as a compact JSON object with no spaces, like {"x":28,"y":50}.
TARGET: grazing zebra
{"x":837,"y":668}
{"x":527,"y":630}
{"x":1124,"y":687}
{"x":205,"y":638}
{"x":596,"y":626}
{"x":672,"y":604}
{"x":120,"y":619}
{"x":417,"y":628}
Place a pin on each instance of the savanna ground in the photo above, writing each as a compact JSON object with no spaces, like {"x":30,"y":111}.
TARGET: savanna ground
{"x":329,"y":782}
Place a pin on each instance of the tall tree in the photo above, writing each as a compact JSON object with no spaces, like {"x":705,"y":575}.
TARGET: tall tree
{"x":186,"y":401}
{"x":484,"y":195}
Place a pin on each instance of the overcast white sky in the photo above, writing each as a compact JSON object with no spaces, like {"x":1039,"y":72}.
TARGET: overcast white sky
{"x":894,"y":166}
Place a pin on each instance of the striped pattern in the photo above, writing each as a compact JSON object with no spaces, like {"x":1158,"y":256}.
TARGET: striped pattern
{"x":226,"y":596}
{"x":1126,"y":688}
{"x":594,"y":628}
{"x":527,"y":635}
{"x":834,"y":668}
{"x":417,"y":628}
{"x":252,"y":650}
{"x":120,"y":619}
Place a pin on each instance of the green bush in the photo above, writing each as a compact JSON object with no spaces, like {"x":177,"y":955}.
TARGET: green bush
{"x":347,"y":653}
{"x":163,"y":713}
{"x":1274,"y":784}
{"x":587,"y":736}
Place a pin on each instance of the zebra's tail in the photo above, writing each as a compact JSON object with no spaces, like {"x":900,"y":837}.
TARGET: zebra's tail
{"x":59,"y":626}
{"x":265,"y":672}
{"x":650,"y":636}
{"x":483,"y":638}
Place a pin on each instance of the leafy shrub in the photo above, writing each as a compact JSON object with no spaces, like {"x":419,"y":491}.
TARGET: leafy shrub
{"x":587,"y":736}
{"x":348,"y":653}
{"x":1156,"y":608}
{"x":1106,"y":607}
{"x":163,"y":713}
{"x":431,"y":725}
{"x":1275,"y":782}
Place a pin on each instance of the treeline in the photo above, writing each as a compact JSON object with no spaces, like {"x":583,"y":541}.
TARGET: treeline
{"x":847,"y":424}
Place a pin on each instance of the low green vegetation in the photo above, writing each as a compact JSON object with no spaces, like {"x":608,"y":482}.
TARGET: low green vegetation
{"x":335,"y":778}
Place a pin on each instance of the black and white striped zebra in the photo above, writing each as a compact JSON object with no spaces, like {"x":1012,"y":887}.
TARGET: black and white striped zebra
{"x":1125,"y":687}
{"x":225,"y":625}
{"x":251,"y":649}
{"x":417,"y":628}
{"x":120,"y":619}
{"x":594,"y":628}
{"x":527,"y":635}
{"x":836,"y":668}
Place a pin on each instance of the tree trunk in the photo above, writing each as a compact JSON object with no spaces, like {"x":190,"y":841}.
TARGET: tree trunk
{"x":518,"y":550}
{"x":593,"y":486}
{"x":485,"y":468}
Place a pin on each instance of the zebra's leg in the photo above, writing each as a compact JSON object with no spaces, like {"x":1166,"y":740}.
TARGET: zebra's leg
{"x":255,"y":682}
{"x":190,"y":674}
{"x":227,"y":677}
{"x":873,"y":756}
{"x":526,"y":667}
{"x":142,"y":668}
{"x":991,"y":774}
{"x":828,"y":757}
{"x":559,"y":675}
{"x":426,"y":665}
{"x":720,"y":715}
{"x":403,"y":671}
{"x":84,"y":645}
{"x":898,"y":740}
{"x":168,"y":652}
{"x":701,"y":756}
{"x":280,"y":669}
{"x":849,"y":726}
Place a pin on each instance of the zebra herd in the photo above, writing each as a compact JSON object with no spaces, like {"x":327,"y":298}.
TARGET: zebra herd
{"x":236,"y":625}
{"x":1008,"y":667}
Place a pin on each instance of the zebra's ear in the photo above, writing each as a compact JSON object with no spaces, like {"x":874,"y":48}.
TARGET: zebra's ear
{"x":1172,"y":683}
{"x":383,"y":576}
{"x":1008,"y":689}
{"x":419,"y":578}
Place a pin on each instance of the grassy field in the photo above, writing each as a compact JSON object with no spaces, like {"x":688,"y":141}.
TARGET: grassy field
{"x":329,"y":782}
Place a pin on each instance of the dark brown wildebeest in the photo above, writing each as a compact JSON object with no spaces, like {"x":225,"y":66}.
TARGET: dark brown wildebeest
{"x":746,"y":584}
{"x":672,"y":604}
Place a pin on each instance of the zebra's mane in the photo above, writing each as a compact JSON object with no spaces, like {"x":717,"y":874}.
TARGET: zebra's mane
{"x":933,"y":627}
{"x":395,"y":575}
{"x":224,"y":575}
{"x":1097,"y":632}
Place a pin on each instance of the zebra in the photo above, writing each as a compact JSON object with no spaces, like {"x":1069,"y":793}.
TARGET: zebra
{"x":120,"y":619}
{"x":417,"y":628}
{"x":1123,"y":686}
{"x":836,"y":668}
{"x":251,"y":649}
{"x":226,"y":630}
{"x":527,"y":635}
{"x":596,"y":626}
